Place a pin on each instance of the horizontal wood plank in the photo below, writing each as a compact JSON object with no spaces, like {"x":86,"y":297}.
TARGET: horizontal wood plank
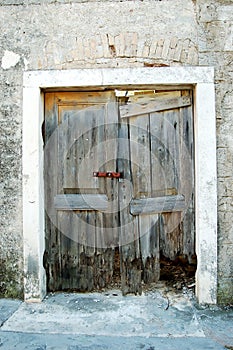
{"x":134,"y":109}
{"x":156,"y":205}
{"x":81,"y":202}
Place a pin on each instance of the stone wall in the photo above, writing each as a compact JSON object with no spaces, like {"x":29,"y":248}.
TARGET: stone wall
{"x":215,"y":27}
{"x":49,"y":34}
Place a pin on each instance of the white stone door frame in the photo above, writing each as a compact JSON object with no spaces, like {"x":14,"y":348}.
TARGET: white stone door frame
{"x":202,"y":80}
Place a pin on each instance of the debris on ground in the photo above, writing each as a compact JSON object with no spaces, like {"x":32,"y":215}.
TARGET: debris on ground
{"x":177,"y":273}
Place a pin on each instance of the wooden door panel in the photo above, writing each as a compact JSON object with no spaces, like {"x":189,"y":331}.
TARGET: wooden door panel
{"x":81,"y":201}
{"x":161,"y":159}
{"x":164,"y":128}
{"x":81,"y":148}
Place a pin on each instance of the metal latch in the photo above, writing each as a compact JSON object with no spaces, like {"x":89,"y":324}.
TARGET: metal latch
{"x":110,"y":174}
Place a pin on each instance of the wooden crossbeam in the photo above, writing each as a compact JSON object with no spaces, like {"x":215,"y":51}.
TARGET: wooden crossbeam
{"x":81,"y":202}
{"x":135,"y":109}
{"x":157,"y":205}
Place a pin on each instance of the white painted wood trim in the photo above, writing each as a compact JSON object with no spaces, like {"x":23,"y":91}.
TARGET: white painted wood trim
{"x":205,"y":193}
{"x":33,"y":195}
{"x":205,"y":161}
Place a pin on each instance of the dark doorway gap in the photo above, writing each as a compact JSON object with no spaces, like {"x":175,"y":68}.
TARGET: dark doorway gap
{"x":178,"y":273}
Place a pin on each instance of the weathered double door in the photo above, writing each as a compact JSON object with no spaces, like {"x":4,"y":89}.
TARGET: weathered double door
{"x":118,"y":182}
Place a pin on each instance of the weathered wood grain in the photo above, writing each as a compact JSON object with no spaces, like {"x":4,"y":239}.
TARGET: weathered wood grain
{"x":71,"y":257}
{"x":81,"y":202}
{"x":82,"y":148}
{"x":187,"y":179}
{"x":130,"y":261}
{"x":171,"y":235}
{"x":110,"y":186}
{"x":140,"y":155}
{"x":165,"y":151}
{"x":150,"y":209}
{"x":149,"y":247}
{"x":172,"y":170}
{"x":135,"y":109}
{"x":52,"y":261}
{"x":157,"y":205}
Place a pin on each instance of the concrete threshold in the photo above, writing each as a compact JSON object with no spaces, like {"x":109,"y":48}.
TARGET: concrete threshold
{"x":159,"y":316}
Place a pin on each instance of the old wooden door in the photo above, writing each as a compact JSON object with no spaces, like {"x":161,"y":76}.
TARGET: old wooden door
{"x":118,"y":178}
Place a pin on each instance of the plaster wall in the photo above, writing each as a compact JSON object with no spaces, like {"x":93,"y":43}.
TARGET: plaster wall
{"x":49,"y":34}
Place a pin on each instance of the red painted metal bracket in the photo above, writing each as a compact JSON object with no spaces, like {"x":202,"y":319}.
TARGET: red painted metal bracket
{"x":110,"y":174}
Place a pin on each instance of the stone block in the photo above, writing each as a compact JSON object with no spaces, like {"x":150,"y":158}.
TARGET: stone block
{"x":225,"y":226}
{"x":225,"y":291}
{"x":225,"y":162}
{"x":225,"y":187}
{"x":225,"y":265}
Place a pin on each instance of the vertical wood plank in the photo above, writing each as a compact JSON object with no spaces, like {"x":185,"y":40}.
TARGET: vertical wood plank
{"x":80,"y":157}
{"x":129,"y":234}
{"x":149,"y":244}
{"x":52,"y":261}
{"x":140,"y":155}
{"x":165,"y":147}
{"x":104,"y":256}
{"x":165,"y":152}
{"x":110,"y":164}
{"x":187,"y":180}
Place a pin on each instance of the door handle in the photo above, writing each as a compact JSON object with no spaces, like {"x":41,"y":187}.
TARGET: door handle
{"x":110,"y":174}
